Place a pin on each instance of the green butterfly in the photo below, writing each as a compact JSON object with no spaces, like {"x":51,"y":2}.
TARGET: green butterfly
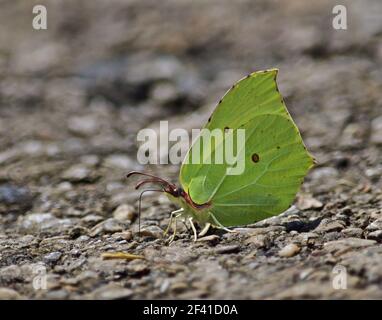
{"x":275,"y":158}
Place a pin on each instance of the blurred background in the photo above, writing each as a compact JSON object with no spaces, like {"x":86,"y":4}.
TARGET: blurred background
{"x":73,"y":97}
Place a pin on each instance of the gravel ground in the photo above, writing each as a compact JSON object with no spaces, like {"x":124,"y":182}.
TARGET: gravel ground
{"x":73,"y":97}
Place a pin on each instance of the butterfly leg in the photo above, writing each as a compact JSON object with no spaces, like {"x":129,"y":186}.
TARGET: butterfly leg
{"x":220,"y":225}
{"x":171,"y":218}
{"x":193,"y":229}
{"x":205,"y":230}
{"x":172,"y":237}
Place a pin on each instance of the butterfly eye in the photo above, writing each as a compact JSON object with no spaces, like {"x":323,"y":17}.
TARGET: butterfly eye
{"x":255,"y":158}
{"x":226,"y":129}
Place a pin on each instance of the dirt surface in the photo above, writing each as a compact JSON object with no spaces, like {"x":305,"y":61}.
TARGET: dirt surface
{"x":73,"y":97}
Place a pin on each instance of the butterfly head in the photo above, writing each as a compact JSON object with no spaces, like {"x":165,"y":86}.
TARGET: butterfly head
{"x":164,"y":185}
{"x":176,"y":193}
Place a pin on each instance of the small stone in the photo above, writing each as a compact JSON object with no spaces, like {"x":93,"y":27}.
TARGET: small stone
{"x":178,"y":287}
{"x":83,"y":125}
{"x":137,"y":269}
{"x":352,"y":243}
{"x":324,"y":173}
{"x":64,"y":187}
{"x":152,"y":69}
{"x":77,"y":173}
{"x":52,"y":257}
{"x":353,"y":232}
{"x":164,"y":92}
{"x":307,"y":238}
{"x":352,"y":135}
{"x":164,"y":286}
{"x":90,"y":160}
{"x":375,"y":235}
{"x":375,"y":225}
{"x":119,"y":162}
{"x":121,"y":198}
{"x":43,"y":222}
{"x":289,"y":250}
{"x":92,"y":219}
{"x":124,"y":212}
{"x":10,"y":194}
{"x":83,"y":238}
{"x":259,"y":241}
{"x":152,"y":232}
{"x":112,"y":292}
{"x":326,"y":226}
{"x":126,"y":235}
{"x":8,"y":294}
{"x":108,"y":226}
{"x":308,"y":202}
{"x":227,"y":249}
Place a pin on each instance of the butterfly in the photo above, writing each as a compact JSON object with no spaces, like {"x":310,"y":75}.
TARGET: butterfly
{"x":275,"y":161}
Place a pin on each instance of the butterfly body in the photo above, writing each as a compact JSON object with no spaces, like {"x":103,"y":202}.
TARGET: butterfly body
{"x":199,"y":213}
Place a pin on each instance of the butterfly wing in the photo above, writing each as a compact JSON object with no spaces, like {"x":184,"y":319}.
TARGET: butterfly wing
{"x":276,"y":159}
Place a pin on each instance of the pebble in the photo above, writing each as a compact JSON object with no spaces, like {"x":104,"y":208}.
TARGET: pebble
{"x":153,"y":69}
{"x":108,"y":226}
{"x":289,"y":250}
{"x":324,"y":173}
{"x":228,"y":249}
{"x":375,"y":235}
{"x":137,"y":269}
{"x":39,"y":222}
{"x":152,"y":231}
{"x":164,"y":92}
{"x":326,"y":226}
{"x":10,"y":194}
{"x":353,"y":232}
{"x":52,"y":257}
{"x":308,"y":202}
{"x":307,"y":238}
{"x":90,"y":160}
{"x":165,"y":285}
{"x":112,"y":292}
{"x":83,"y":125}
{"x":124,"y":212}
{"x":348,"y":242}
{"x":119,"y":162}
{"x":9,"y":294}
{"x":126,"y":235}
{"x":375,"y":225}
{"x":92,"y":219}
{"x":259,"y":241}
{"x":64,"y":187}
{"x":77,"y":173}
